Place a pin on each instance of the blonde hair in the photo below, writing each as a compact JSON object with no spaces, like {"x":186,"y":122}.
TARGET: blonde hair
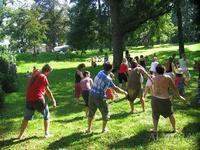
{"x":124,"y":60}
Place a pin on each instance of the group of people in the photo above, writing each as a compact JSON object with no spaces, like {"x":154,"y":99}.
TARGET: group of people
{"x":131,"y":80}
{"x":94,"y":92}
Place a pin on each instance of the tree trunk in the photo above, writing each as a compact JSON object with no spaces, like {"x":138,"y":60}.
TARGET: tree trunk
{"x":117,"y":37}
{"x":109,"y":30}
{"x":180,"y":28}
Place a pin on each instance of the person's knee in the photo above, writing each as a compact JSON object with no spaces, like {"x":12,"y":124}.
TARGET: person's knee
{"x":91,"y":113}
{"x":155,"y":117}
{"x":105,"y":117}
{"x":46,"y":114}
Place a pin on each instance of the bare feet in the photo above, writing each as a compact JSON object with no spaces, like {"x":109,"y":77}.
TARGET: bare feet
{"x":154,"y":134}
{"x":105,"y":130}
{"x":19,"y":137}
{"x":88,"y":131}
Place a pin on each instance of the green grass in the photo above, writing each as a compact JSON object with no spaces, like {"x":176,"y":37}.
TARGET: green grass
{"x":127,"y":131}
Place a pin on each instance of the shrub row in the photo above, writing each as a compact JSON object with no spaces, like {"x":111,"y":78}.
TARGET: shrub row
{"x":8,"y":74}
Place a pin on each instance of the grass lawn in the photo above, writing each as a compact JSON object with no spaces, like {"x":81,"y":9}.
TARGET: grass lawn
{"x":127,"y":131}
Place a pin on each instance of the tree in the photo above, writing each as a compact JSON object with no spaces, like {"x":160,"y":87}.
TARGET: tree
{"x":191,"y":33}
{"x":25,"y":30}
{"x":83,"y":25}
{"x":54,"y":14}
{"x":5,"y":13}
{"x":180,"y":28}
{"x":128,"y":15}
{"x":154,"y":31}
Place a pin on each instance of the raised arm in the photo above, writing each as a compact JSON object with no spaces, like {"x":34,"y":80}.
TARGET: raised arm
{"x":143,"y":71}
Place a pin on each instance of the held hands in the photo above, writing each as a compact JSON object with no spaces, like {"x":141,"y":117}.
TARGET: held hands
{"x":125,"y":93}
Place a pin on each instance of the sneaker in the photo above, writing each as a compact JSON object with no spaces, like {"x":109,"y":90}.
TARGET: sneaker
{"x":48,"y":135}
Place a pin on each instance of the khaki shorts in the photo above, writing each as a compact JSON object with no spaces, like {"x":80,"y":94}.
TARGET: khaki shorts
{"x":100,"y":103}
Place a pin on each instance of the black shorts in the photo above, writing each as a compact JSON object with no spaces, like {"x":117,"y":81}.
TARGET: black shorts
{"x":122,"y":77}
{"x":85,"y":95}
{"x":161,"y":107}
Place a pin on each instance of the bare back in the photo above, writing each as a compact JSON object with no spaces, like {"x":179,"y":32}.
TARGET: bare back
{"x":161,"y":85}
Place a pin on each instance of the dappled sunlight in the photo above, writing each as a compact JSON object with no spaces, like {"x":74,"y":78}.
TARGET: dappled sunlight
{"x":68,"y":121}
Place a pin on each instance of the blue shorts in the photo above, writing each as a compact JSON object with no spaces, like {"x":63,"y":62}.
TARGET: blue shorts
{"x":39,"y":106}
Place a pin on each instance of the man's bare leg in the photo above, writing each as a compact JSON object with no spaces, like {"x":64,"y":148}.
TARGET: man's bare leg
{"x":23,"y":127}
{"x":46,"y":127}
{"x":142,"y":103}
{"x":104,"y":126}
{"x":173,"y":122}
{"x":155,"y":125}
{"x":89,"y":125}
{"x":132,"y":107}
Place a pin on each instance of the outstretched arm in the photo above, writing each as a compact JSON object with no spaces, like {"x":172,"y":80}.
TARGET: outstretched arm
{"x":50,"y":96}
{"x":119,"y":90}
{"x":175,"y":90}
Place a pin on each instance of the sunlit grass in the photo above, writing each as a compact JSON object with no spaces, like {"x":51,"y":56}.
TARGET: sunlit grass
{"x":127,"y":131}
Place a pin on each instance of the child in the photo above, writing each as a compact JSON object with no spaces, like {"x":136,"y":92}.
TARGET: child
{"x":86,"y":84}
{"x":111,"y":93}
{"x":78,"y":77}
{"x":123,"y":73}
{"x":180,"y":81}
{"x":148,"y":86}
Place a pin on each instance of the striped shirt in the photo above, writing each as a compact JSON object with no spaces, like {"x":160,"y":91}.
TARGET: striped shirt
{"x":102,"y":82}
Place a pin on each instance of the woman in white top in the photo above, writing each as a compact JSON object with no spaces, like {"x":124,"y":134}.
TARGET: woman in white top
{"x":183,"y":66}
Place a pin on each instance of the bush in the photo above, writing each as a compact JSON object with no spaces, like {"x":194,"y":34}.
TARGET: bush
{"x":9,"y":84}
{"x":8,"y":72}
{"x":2,"y":97}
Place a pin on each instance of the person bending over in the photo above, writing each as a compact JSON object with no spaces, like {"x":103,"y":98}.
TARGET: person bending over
{"x":38,"y":86}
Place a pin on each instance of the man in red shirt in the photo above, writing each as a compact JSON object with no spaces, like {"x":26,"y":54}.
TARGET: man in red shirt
{"x":37,"y":88}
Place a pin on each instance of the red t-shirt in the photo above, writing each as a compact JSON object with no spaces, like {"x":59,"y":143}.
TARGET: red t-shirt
{"x":123,"y":68}
{"x":36,"y":90}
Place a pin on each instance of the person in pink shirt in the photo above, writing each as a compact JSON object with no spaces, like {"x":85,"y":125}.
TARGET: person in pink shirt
{"x":86,"y":84}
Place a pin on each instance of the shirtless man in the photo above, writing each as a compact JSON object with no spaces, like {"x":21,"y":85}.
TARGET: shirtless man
{"x":161,"y":104}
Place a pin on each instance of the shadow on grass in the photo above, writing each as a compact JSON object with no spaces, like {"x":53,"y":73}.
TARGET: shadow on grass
{"x":69,"y":120}
{"x":141,"y":139}
{"x":119,"y":115}
{"x":191,"y":128}
{"x":14,"y":141}
{"x":64,"y":142}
